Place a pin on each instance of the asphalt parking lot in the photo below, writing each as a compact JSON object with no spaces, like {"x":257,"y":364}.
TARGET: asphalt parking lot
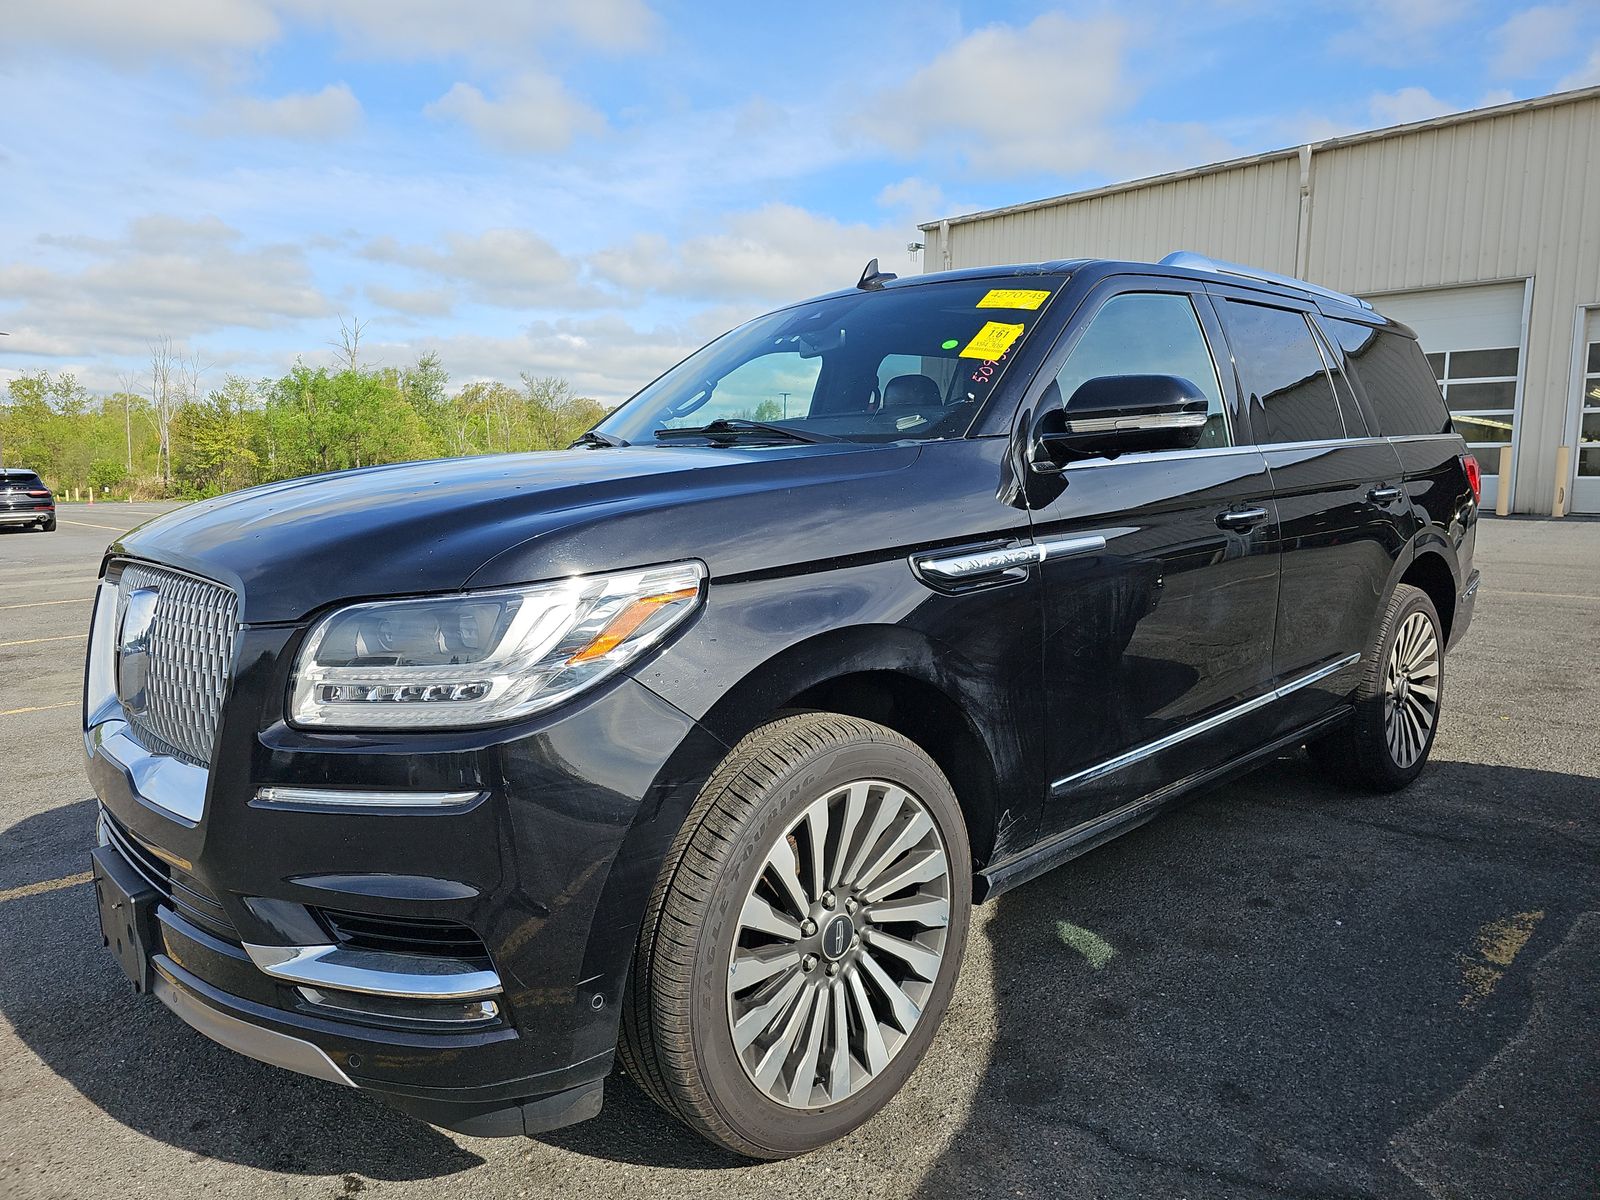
{"x":1281,"y":989}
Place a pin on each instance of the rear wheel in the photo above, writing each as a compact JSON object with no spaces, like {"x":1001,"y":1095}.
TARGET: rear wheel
{"x":1386,"y":743}
{"x":48,"y":525}
{"x":804,"y":937}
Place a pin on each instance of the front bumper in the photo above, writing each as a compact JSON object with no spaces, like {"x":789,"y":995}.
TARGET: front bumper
{"x":550,"y":865}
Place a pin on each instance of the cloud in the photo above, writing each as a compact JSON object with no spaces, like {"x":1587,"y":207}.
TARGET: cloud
{"x":513,"y":268}
{"x":1406,"y":105}
{"x":606,"y":357}
{"x":1396,"y":32}
{"x":416,"y":302}
{"x":917,"y":198}
{"x":1585,"y":76}
{"x":1029,"y":99}
{"x":132,"y":34}
{"x":534,"y":113}
{"x":167,"y":277}
{"x":1532,"y":38}
{"x":332,"y":113}
{"x":778,"y":253}
{"x":493,"y":31}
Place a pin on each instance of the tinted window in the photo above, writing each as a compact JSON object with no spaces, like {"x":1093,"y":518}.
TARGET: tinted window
{"x":1290,"y":396}
{"x":1148,"y":333}
{"x":1484,"y":364}
{"x":21,"y":482}
{"x":769,"y":388}
{"x":1399,"y":382}
{"x":911,"y":361}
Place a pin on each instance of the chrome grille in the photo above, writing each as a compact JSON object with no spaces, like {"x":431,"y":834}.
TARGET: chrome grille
{"x":191,"y":653}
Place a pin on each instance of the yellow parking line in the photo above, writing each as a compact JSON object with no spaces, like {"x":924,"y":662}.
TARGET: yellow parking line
{"x":49,"y":885}
{"x":13,"y":712}
{"x":43,"y":603}
{"x":66,"y":637}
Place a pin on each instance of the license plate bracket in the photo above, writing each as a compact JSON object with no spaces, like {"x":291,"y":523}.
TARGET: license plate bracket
{"x":127,"y":914}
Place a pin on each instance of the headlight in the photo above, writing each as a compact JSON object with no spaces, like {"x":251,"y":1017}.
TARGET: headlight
{"x":481,"y":657}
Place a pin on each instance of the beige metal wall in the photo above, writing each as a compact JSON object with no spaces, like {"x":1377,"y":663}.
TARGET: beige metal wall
{"x":1504,"y":196}
{"x":1199,"y":213}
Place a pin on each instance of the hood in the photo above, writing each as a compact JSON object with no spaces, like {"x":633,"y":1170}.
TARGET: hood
{"x":289,"y":548}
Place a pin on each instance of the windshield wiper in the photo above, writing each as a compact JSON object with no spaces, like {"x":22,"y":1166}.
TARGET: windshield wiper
{"x":725,"y":430}
{"x":595,"y":438}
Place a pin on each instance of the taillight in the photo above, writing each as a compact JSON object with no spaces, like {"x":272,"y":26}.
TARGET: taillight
{"x":39,"y":493}
{"x":1474,"y":477}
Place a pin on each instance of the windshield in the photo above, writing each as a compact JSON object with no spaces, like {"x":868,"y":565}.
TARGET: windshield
{"x":911,"y":362}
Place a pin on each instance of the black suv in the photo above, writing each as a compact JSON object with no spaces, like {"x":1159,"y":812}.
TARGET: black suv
{"x":693,"y":745}
{"x":24,"y":500}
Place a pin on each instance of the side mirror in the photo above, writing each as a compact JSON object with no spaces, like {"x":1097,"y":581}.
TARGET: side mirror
{"x":1114,"y":414}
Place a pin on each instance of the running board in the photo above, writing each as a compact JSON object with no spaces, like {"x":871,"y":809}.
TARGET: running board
{"x":1080,"y":839}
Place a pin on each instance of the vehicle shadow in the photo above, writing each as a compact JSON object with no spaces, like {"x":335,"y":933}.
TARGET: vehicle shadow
{"x":1261,"y":993}
{"x":1268,"y":991}
{"x":68,"y":1002}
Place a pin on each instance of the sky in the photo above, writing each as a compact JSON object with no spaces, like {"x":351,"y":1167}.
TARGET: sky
{"x":592,"y":188}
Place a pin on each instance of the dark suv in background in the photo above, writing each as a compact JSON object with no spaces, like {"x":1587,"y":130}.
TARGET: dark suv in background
{"x":694,"y":745}
{"x":24,"y":500}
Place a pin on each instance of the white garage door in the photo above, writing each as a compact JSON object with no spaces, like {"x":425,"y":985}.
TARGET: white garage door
{"x":1473,"y":339}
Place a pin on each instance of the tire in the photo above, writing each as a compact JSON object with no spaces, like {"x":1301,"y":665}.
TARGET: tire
{"x":48,"y":526}
{"x":752,"y":825}
{"x":1384,"y":745}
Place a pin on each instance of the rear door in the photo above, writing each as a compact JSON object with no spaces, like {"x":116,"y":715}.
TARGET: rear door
{"x":1339,"y":491}
{"x":1159,"y":569}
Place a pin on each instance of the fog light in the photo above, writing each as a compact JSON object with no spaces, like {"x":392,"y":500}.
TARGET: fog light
{"x":387,"y":1008}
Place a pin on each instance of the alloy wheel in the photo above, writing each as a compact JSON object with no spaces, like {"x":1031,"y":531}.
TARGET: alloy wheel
{"x":1411,"y":689}
{"x":839,"y":944}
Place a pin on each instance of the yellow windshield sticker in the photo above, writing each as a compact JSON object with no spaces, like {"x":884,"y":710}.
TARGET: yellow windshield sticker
{"x":1013,"y":298}
{"x":993,"y":340}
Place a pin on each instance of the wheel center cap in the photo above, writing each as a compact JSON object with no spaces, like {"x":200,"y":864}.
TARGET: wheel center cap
{"x":837,"y":935}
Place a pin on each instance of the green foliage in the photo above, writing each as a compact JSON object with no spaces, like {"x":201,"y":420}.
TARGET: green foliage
{"x":105,"y":475}
{"x":246,"y":432}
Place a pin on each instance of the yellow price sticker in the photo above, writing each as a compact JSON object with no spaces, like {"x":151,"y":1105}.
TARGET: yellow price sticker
{"x":1013,"y":298}
{"x":993,"y":340}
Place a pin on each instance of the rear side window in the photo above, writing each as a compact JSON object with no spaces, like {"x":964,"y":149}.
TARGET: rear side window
{"x":1291,"y":399}
{"x":1399,"y":383}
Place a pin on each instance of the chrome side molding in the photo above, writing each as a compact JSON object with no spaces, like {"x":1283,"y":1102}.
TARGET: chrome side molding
{"x":1139,"y":753}
{"x":959,"y":568}
{"x":358,"y":798}
{"x":376,"y":973}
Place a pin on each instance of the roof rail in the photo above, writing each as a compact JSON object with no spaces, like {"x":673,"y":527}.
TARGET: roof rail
{"x":1199,"y":262}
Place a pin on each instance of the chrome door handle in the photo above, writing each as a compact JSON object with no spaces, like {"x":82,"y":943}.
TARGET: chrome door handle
{"x":1241,"y":518}
{"x":1383,"y":495}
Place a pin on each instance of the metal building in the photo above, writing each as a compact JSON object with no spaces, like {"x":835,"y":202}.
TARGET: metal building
{"x":1480,"y":230}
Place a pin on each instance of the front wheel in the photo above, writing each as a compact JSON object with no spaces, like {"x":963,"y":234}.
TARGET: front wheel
{"x":803,"y":939}
{"x":1386,"y":743}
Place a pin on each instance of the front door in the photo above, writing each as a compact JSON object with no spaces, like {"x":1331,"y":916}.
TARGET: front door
{"x":1159,"y":569}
